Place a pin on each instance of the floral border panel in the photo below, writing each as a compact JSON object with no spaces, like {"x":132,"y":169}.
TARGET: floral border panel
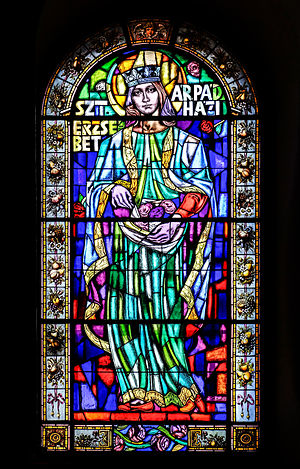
{"x":207,"y":438}
{"x":245,"y":168}
{"x":55,"y":372}
{"x":155,"y":438}
{"x":93,"y":437}
{"x":245,"y":373}
{"x":55,"y":168}
{"x":166,"y":438}
{"x":245,"y":270}
{"x":160,"y":438}
{"x":55,"y":274}
{"x":246,"y":332}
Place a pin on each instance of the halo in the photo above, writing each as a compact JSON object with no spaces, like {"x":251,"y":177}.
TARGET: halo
{"x":171,"y":73}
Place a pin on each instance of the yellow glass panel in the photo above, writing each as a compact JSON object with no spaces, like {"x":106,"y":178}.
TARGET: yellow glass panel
{"x":121,"y":100}
{"x":121,"y":87}
{"x":126,"y":65}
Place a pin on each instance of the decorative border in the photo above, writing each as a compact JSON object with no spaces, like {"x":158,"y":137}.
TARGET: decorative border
{"x":55,"y":169}
{"x":55,"y":372}
{"x":207,"y":438}
{"x":245,"y":373}
{"x":156,"y":31}
{"x":245,"y":265}
{"x":56,"y":437}
{"x":55,"y":264}
{"x":56,"y":270}
{"x":245,"y":168}
{"x":93,"y":437}
{"x":245,"y":438}
{"x":161,"y":438}
{"x":245,"y":272}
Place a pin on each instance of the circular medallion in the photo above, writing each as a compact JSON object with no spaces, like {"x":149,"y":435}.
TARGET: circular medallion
{"x":55,"y":438}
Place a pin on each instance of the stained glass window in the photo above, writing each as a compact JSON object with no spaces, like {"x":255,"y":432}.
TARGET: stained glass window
{"x":150,"y":231}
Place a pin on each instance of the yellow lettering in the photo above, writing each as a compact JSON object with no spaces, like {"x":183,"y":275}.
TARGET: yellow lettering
{"x":80,"y":111}
{"x":86,"y":129}
{"x":77,"y":127}
{"x":113,"y":127}
{"x":76,"y":143}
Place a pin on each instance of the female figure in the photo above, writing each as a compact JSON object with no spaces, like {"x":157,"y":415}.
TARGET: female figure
{"x":154,"y":176}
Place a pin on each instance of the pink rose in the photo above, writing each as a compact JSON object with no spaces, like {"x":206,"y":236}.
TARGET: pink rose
{"x":168,"y":205}
{"x":137,"y":433}
{"x":160,"y":442}
{"x":119,"y":443}
{"x":145,"y":209}
{"x":157,"y":212}
{"x":194,"y":68}
{"x":179,"y":431}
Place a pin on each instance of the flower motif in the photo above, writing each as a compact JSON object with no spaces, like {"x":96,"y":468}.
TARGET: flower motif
{"x":179,"y":431}
{"x":55,"y":372}
{"x":56,"y":303}
{"x":119,"y":443}
{"x":156,"y":212}
{"x":58,"y":98}
{"x":194,"y":68}
{"x":55,"y":169}
{"x":55,"y":340}
{"x":136,"y":433}
{"x":246,"y":135}
{"x":160,"y":442}
{"x":245,"y":238}
{"x":168,"y":206}
{"x":79,"y":210}
{"x":55,"y":201}
{"x":145,"y":209}
{"x":206,"y":126}
{"x":245,"y":168}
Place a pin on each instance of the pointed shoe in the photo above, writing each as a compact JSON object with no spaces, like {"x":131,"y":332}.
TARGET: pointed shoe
{"x":124,"y":407}
{"x":147,"y":407}
{"x":200,"y":403}
{"x":188,"y":407}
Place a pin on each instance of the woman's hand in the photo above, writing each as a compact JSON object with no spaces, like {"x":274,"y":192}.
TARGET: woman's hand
{"x":164,"y":232}
{"x":121,"y":197}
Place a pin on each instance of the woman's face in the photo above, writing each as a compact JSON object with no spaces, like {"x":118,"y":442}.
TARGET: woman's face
{"x":145,"y":98}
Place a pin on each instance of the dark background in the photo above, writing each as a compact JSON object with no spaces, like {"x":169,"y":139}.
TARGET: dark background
{"x":264,"y":36}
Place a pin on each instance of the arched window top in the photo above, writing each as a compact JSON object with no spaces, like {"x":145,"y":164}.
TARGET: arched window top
{"x":113,"y":40}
